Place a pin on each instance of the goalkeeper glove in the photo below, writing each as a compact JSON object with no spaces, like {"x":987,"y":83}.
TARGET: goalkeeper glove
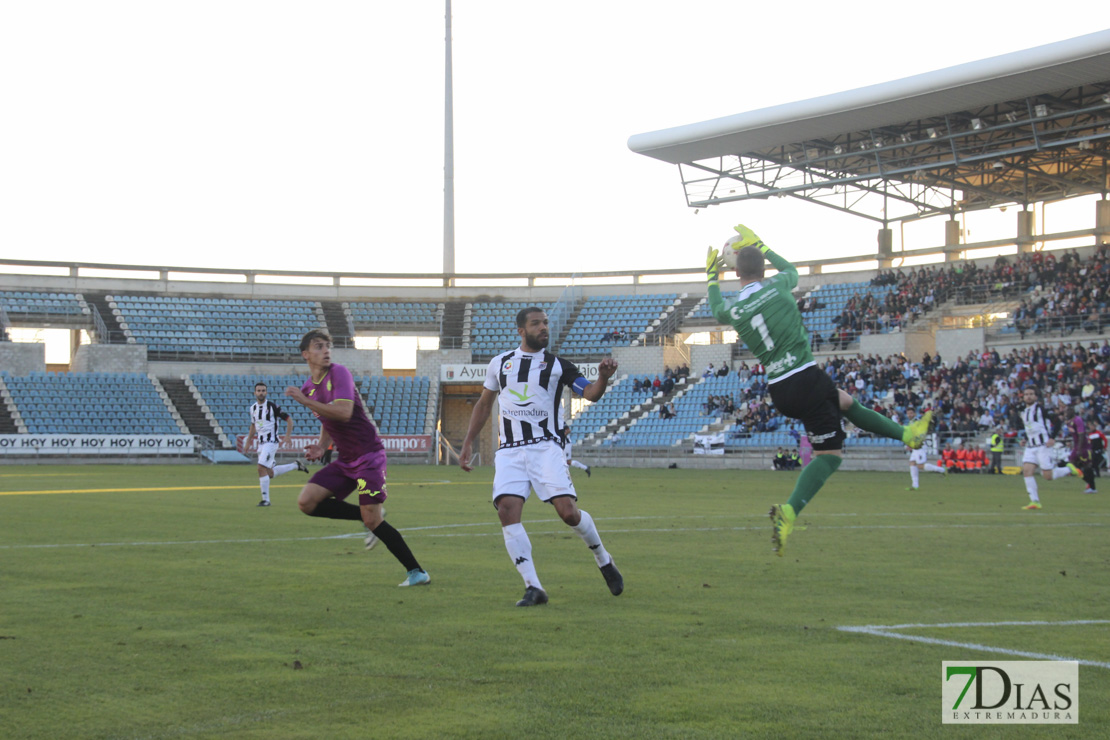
{"x":748,"y":238}
{"x":713,"y":265}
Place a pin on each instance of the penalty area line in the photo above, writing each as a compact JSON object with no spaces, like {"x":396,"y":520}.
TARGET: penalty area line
{"x":879,"y":630}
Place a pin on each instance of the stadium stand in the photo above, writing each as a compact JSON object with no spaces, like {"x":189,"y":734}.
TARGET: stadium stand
{"x":493,"y":325}
{"x":26,"y":305}
{"x":398,"y":405}
{"x":370,"y":315}
{"x":237,"y":328}
{"x":90,"y":403}
{"x":611,"y":321}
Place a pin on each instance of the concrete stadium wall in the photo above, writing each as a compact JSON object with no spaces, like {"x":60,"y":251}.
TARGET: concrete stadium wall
{"x":21,"y":358}
{"x":953,"y":343}
{"x":360,"y":362}
{"x":703,"y":354}
{"x":110,"y":358}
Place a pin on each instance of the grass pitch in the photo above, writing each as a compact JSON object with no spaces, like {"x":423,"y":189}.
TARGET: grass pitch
{"x":159,"y":602}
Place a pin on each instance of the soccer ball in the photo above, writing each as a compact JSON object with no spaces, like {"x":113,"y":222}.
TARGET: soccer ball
{"x":729,"y":250}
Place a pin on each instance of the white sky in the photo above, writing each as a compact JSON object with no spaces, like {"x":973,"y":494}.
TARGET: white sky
{"x":293,"y":135}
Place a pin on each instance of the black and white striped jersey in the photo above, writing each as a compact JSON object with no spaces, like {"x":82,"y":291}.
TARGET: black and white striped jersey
{"x":265,"y":417}
{"x":1038,"y":427}
{"x":530,"y":388}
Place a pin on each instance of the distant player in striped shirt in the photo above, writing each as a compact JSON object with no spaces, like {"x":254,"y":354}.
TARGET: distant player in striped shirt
{"x":264,"y":415}
{"x":1038,"y":441}
{"x":528,"y":385}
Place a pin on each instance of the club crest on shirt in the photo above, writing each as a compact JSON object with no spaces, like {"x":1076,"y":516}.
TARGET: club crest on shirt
{"x":543,"y":365}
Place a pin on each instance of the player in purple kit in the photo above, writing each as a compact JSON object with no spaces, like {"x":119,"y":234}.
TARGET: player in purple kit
{"x":1081,"y":457}
{"x":331,"y":395}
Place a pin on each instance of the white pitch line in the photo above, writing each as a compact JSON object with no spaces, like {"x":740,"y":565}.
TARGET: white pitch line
{"x":884,"y":631}
{"x":424,"y":532}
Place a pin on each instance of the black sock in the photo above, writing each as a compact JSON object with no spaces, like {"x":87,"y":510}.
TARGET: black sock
{"x":396,"y":544}
{"x":331,"y":508}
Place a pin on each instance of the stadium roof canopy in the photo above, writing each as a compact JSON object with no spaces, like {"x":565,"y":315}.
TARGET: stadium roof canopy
{"x":1024,"y":127}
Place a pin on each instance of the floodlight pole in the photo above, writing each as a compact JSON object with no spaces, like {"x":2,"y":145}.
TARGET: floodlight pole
{"x":448,"y":166}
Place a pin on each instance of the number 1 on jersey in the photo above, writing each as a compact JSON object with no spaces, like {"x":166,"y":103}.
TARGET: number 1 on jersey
{"x":760,"y":326}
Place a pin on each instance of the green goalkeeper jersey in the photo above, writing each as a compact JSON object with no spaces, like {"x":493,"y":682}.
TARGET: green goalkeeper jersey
{"x":768,"y":321}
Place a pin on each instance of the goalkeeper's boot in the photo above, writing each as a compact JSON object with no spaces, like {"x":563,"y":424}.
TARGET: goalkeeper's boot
{"x":533,"y":597}
{"x":1033,"y":506}
{"x":782,"y":524}
{"x":913,"y":436}
{"x":416,"y":577}
{"x":1075,"y":471}
{"x":613,"y":578}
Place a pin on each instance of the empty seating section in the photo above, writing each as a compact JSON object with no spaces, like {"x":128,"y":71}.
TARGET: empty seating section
{"x":224,"y":326}
{"x":398,"y":405}
{"x":493,"y":325}
{"x":366,"y":314}
{"x":21,"y":304}
{"x":702,"y":312}
{"x":618,"y":399}
{"x":833,"y":299}
{"x":90,"y":403}
{"x":628,"y":315}
{"x":654,"y":431}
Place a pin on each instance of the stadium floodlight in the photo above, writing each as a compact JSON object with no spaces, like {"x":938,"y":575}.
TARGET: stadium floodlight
{"x":976,"y":123}
{"x":1041,"y":110}
{"x":1011,"y":116}
{"x":932,"y":132}
{"x":906,"y":138}
{"x":838,"y":149}
{"x":1106,"y":98}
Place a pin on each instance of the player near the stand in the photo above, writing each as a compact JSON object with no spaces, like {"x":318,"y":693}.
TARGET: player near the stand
{"x":264,"y":415}
{"x":567,"y":452}
{"x":919,"y":462}
{"x":766,"y":317}
{"x":1081,"y":457}
{"x":1038,"y":441}
{"x":330,"y":394}
{"x":528,"y":385}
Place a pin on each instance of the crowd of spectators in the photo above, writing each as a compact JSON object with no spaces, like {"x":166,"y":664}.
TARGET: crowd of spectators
{"x":1064,"y":292}
{"x":664,"y":383}
{"x":970,"y":396}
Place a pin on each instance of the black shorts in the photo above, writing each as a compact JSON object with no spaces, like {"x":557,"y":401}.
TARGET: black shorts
{"x":813,"y":399}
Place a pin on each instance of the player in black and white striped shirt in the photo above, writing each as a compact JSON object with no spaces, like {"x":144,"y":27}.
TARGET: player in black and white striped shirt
{"x":264,"y":417}
{"x":528,"y":384}
{"x":1038,"y":441}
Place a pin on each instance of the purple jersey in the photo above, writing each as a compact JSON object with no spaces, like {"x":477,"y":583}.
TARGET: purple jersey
{"x":355,"y":437}
{"x":1080,"y":443}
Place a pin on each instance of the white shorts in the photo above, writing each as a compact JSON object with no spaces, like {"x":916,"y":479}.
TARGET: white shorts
{"x":267,"y":451}
{"x":918,"y":456}
{"x":1041,"y":456}
{"x":540,"y":466}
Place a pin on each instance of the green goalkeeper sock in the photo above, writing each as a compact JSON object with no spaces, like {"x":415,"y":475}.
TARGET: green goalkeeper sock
{"x":873,"y":421}
{"x":812,"y":478}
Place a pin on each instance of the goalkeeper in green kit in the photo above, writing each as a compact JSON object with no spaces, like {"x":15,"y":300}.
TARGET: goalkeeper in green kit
{"x":766,"y":317}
